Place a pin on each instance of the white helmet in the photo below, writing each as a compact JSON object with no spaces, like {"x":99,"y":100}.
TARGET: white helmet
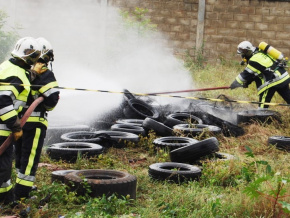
{"x":245,"y":47}
{"x":46,"y":49}
{"x":27,"y":49}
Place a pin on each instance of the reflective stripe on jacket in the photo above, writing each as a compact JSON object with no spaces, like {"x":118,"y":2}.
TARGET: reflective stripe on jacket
{"x":259,"y":70}
{"x":12,"y":97}
{"x":49,"y":92}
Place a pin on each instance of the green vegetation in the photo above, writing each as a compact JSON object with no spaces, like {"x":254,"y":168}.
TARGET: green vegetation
{"x":255,"y":184}
{"x":7,"y":38}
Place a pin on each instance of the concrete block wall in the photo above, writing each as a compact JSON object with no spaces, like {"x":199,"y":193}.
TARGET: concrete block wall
{"x":227,"y":23}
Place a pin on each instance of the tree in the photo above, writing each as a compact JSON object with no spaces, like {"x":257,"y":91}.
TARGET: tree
{"x":7,"y":38}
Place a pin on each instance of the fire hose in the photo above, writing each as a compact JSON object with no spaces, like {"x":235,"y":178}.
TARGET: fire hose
{"x":23,"y":120}
{"x":190,"y":90}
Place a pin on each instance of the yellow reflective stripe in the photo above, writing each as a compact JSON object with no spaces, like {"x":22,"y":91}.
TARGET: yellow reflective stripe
{"x":273,"y":84}
{"x":253,"y":69}
{"x":32,"y":152}
{"x":5,"y":132}
{"x":11,"y":88}
{"x":48,"y":86}
{"x":8,"y":115}
{"x":6,"y":189}
{"x":38,"y":120}
{"x":263,"y":99}
{"x":24,"y":182}
{"x":239,"y":81}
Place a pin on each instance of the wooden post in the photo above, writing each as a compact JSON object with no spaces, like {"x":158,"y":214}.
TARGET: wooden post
{"x":200,"y":25}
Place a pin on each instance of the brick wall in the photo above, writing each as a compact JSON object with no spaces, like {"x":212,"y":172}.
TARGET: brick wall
{"x":227,"y":23}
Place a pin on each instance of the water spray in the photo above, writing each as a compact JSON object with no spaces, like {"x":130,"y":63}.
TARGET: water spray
{"x":159,"y":95}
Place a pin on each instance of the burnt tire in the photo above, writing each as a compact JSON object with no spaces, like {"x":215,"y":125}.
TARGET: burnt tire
{"x":263,"y":116}
{"x":116,"y":139}
{"x":192,"y":153}
{"x":173,"y":142}
{"x":181,"y":118}
{"x":138,"y":130}
{"x":59,"y":175}
{"x":175,"y":172}
{"x":69,"y":151}
{"x":81,"y":136}
{"x":102,"y":182}
{"x":136,"y":122}
{"x":197,"y":129}
{"x":281,"y":142}
{"x":138,"y":109}
{"x":128,"y":95}
{"x":158,"y":127}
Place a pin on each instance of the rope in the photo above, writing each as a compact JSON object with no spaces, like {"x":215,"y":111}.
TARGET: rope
{"x":160,"y":95}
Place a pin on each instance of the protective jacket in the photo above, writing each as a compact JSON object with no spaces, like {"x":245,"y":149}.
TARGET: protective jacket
{"x":262,"y":69}
{"x":45,"y":86}
{"x":13,"y":97}
{"x":28,"y":148}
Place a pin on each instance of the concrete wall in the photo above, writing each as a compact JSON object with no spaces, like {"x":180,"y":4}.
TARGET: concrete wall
{"x":227,"y":23}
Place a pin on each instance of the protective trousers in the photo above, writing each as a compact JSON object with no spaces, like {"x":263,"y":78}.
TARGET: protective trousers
{"x":266,"y":96}
{"x":6,"y":192}
{"x":27,"y":155}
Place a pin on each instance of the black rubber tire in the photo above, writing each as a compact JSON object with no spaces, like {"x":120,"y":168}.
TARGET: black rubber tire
{"x":197,"y":129}
{"x":117,"y":139}
{"x":181,"y":118}
{"x":81,"y":136}
{"x":192,"y":153}
{"x":168,"y":171}
{"x":138,"y":130}
{"x":54,"y":132}
{"x":228,"y":128}
{"x":281,"y":142}
{"x":59,"y":175}
{"x":136,"y":122}
{"x":173,"y":142}
{"x":264,"y":116}
{"x":128,"y":95}
{"x":69,"y":150}
{"x":138,"y":109}
{"x":158,"y":127}
{"x":102,"y":182}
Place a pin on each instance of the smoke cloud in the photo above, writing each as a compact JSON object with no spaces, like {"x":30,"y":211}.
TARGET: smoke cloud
{"x":94,"y":50}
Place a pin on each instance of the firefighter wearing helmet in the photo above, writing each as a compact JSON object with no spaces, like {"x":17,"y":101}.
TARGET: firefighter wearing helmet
{"x":13,"y":98}
{"x":269,"y":75}
{"x":28,"y":148}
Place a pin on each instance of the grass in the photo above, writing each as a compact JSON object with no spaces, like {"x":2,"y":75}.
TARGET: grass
{"x":220,"y":192}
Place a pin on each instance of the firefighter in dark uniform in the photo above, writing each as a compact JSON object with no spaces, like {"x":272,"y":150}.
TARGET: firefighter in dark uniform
{"x":28,"y":148}
{"x":12,"y":100}
{"x":269,"y":76}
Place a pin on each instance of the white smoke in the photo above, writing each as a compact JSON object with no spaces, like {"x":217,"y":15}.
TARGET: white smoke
{"x":93,"y":50}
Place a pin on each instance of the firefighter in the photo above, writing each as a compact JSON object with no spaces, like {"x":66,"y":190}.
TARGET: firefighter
{"x":269,"y":76}
{"x":28,"y":148}
{"x":12,"y":100}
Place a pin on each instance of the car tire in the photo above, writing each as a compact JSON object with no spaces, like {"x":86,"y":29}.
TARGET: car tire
{"x":167,"y":171}
{"x":192,"y":153}
{"x":173,"y":142}
{"x":281,"y":142}
{"x":102,"y":182}
{"x":69,"y":151}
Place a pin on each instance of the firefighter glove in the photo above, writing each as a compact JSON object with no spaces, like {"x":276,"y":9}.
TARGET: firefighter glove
{"x":17,"y":135}
{"x":235,"y":85}
{"x":39,"y":68}
{"x":17,"y":130}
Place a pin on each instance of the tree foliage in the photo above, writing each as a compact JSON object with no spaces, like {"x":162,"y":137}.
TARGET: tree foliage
{"x":7,"y":38}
